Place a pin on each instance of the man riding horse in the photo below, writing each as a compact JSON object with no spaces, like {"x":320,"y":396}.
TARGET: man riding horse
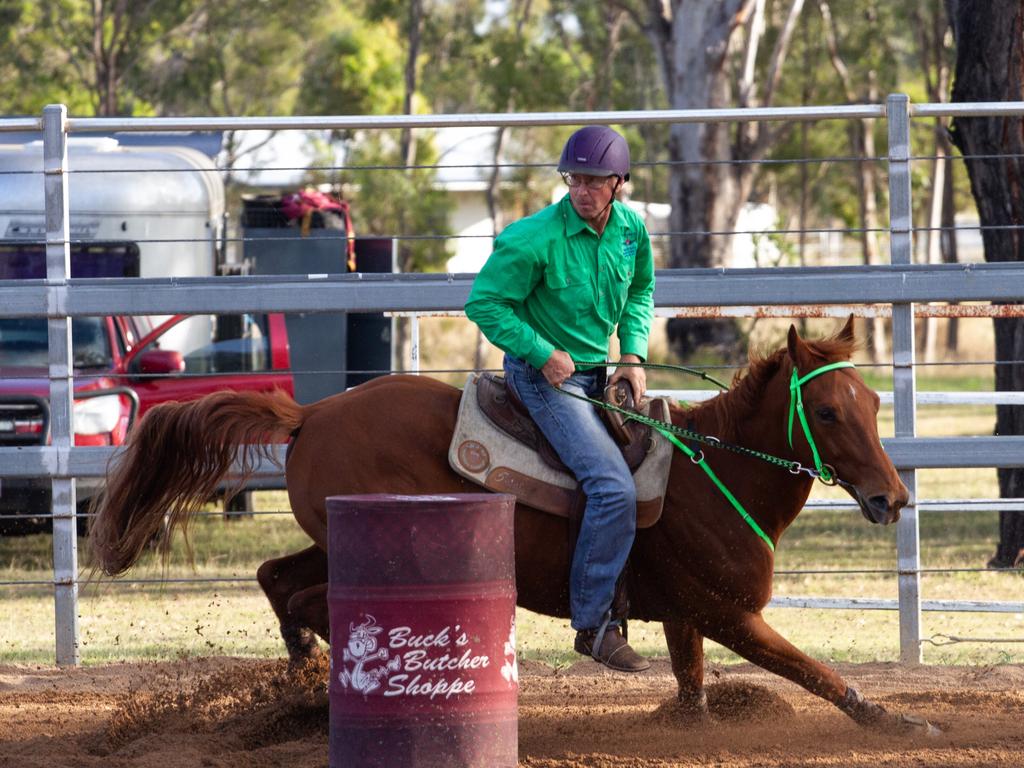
{"x":550,"y":295}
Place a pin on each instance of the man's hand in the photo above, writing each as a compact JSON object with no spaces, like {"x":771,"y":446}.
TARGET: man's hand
{"x":637,"y":377}
{"x":558,"y":368}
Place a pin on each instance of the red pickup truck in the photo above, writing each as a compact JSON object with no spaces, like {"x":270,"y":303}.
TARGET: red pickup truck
{"x":123,"y":365}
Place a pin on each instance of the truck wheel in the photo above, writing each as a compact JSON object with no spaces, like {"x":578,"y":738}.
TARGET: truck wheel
{"x":239,"y":506}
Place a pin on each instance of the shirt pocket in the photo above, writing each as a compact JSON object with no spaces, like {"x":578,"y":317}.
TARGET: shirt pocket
{"x":623,"y":268}
{"x":569,"y":289}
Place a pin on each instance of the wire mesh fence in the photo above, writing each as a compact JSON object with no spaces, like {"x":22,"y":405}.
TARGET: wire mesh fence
{"x":764,"y":250}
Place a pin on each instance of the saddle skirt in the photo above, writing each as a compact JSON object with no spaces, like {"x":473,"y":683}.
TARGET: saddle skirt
{"x":485,"y":452}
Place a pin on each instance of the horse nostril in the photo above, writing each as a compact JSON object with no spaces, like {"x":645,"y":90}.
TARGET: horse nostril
{"x":880,"y":505}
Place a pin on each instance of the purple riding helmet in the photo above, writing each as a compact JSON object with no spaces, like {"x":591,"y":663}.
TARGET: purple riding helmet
{"x":596,"y":150}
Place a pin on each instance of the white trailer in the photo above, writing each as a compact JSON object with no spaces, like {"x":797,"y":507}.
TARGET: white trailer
{"x":167,"y":199}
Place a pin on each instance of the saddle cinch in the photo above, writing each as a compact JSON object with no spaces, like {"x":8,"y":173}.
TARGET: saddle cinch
{"x":497,"y":445}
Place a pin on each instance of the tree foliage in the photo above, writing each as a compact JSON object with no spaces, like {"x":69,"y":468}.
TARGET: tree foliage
{"x":95,"y":50}
{"x":231,"y":57}
{"x":236,"y":57}
{"x":355,"y":69}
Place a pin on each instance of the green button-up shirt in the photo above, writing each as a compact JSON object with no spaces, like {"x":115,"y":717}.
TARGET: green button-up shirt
{"x":553,"y":283}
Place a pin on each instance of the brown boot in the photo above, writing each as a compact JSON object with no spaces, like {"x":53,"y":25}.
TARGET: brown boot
{"x":614,"y":652}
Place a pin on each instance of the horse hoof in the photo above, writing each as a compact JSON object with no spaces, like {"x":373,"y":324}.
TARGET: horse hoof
{"x":306,"y":657}
{"x":300,"y":664}
{"x":683,"y":712}
{"x":918,"y":726}
{"x":690,"y":708}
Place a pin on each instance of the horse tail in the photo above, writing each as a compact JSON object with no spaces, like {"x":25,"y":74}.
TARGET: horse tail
{"x":174,"y":461}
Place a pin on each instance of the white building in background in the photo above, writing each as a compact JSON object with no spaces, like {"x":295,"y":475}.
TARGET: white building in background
{"x":466,"y":154}
{"x":749,"y":248}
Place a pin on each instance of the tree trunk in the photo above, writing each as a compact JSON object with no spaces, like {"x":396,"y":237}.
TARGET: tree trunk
{"x":407,"y":145}
{"x":933,"y":248}
{"x":104,"y":59}
{"x":862,"y":146}
{"x":989,"y":64}
{"x":932,"y":25}
{"x":691,"y":42}
{"x":407,"y":151}
{"x":868,"y":186}
{"x":692,"y":39}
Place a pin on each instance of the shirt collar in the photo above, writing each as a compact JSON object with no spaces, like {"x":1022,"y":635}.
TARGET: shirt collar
{"x":574,"y":224}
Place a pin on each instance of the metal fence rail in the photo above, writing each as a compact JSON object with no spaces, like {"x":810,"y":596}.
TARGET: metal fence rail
{"x":896,"y":284}
{"x":440,"y":292}
{"x":900,"y":285}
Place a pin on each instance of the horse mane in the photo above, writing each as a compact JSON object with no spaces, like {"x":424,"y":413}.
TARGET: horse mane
{"x":744,"y":396}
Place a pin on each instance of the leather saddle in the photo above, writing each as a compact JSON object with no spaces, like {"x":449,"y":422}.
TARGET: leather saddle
{"x":499,"y":403}
{"x":495,"y":444}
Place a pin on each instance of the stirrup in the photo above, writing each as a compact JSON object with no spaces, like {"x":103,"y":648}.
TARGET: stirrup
{"x":599,"y":637}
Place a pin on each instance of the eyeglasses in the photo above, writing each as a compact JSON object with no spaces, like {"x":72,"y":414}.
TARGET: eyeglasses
{"x":590,"y":182}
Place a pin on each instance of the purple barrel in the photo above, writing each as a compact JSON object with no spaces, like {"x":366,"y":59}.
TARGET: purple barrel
{"x":422,"y":605}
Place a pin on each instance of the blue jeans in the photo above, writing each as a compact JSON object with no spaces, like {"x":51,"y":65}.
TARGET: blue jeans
{"x":581,"y":440}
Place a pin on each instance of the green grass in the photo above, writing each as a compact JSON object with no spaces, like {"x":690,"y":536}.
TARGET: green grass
{"x":148,"y":615}
{"x":957,"y":379}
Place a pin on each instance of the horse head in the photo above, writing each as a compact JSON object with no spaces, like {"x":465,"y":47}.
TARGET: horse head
{"x":841,"y":412}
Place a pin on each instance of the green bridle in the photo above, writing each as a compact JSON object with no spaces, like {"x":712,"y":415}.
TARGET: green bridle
{"x":796,"y":405}
{"x":824,"y":472}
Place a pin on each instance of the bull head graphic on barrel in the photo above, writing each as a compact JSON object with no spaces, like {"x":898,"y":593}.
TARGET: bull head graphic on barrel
{"x":362,"y":649}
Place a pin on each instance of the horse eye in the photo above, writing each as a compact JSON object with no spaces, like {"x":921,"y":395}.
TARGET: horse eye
{"x":826,"y":414}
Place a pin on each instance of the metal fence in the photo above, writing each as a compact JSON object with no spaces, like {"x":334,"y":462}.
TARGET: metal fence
{"x":900,"y":284}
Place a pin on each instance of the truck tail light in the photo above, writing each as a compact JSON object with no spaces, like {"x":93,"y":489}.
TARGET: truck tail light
{"x":29,"y":426}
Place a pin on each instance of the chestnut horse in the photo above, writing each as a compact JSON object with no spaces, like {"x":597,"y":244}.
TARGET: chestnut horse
{"x":701,"y":570}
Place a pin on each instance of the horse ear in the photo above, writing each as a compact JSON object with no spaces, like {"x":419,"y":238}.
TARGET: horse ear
{"x":794,"y":343}
{"x":847,"y":334}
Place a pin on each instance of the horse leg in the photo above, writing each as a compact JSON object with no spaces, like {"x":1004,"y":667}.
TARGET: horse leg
{"x":686,"y":649}
{"x":751,"y":637}
{"x":284,"y":577}
{"x":309,"y":608}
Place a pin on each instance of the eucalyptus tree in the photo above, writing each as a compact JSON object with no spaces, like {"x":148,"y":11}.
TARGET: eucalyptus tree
{"x":102,"y":46}
{"x":614,"y":67}
{"x":231,"y":58}
{"x":84,"y":53}
{"x":156,"y":57}
{"x":710,"y":54}
{"x":933,"y":43}
{"x":32,"y":73}
{"x":859,"y":49}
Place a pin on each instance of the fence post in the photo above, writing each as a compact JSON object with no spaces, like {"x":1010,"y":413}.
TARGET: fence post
{"x":58,"y":270}
{"x":904,"y":386}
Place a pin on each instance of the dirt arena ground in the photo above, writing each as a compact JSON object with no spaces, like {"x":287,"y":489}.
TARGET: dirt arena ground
{"x":229,"y":713}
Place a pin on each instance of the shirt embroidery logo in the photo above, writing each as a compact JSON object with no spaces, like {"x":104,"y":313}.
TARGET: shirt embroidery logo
{"x":629,"y":248}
